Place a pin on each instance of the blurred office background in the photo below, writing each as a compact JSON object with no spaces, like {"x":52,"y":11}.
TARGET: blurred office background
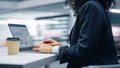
{"x":49,"y":19}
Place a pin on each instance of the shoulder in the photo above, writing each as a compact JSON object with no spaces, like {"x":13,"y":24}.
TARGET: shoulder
{"x":92,"y":5}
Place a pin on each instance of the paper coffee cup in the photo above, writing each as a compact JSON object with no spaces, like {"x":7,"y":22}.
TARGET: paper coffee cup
{"x":13,"y":46}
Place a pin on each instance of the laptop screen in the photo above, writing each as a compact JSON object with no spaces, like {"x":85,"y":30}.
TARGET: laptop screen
{"x":21,"y":31}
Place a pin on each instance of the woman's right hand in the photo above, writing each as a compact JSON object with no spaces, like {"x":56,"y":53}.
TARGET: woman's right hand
{"x":51,"y":42}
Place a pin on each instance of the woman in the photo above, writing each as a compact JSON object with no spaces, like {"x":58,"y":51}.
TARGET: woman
{"x":91,"y":39}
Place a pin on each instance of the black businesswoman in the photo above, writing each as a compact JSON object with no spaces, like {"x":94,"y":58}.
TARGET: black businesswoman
{"x":91,"y":39}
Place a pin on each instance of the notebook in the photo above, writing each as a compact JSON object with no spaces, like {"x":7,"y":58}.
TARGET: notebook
{"x":21,"y":31}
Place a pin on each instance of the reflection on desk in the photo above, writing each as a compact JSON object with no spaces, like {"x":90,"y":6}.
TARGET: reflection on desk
{"x":25,"y":60}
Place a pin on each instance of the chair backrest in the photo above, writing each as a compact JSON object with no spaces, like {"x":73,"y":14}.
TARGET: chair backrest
{"x":103,"y":66}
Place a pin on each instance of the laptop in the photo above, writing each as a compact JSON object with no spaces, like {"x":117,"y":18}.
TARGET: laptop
{"x":21,"y":31}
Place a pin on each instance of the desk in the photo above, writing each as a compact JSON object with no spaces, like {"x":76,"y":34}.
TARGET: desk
{"x":25,"y":60}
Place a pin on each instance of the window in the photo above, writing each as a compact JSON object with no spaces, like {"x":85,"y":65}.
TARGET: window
{"x":116,"y":32}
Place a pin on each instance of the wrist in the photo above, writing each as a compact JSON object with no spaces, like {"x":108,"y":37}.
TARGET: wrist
{"x":51,"y":49}
{"x":55,"y":49}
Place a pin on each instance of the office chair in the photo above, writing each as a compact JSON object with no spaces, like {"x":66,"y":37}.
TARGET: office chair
{"x":103,"y":66}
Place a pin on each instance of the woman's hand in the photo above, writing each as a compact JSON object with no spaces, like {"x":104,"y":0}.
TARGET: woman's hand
{"x":43,"y":48}
{"x":51,"y":42}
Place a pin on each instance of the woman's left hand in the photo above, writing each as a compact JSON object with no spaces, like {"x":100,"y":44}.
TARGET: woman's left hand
{"x":51,"y":42}
{"x":43,"y":48}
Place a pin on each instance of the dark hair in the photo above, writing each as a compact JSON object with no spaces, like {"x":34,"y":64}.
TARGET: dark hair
{"x":107,"y":4}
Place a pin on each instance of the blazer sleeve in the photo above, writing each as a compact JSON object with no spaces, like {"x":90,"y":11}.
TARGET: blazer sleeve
{"x":89,"y":35}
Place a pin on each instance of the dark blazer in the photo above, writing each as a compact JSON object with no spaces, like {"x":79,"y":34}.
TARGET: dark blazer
{"x":91,"y":38}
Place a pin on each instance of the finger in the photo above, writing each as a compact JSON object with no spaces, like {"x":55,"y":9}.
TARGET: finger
{"x":38,"y":49}
{"x":35,"y":48}
{"x":47,"y":42}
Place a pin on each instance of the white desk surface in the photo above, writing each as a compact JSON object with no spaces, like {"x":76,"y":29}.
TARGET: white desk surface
{"x":25,"y":60}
